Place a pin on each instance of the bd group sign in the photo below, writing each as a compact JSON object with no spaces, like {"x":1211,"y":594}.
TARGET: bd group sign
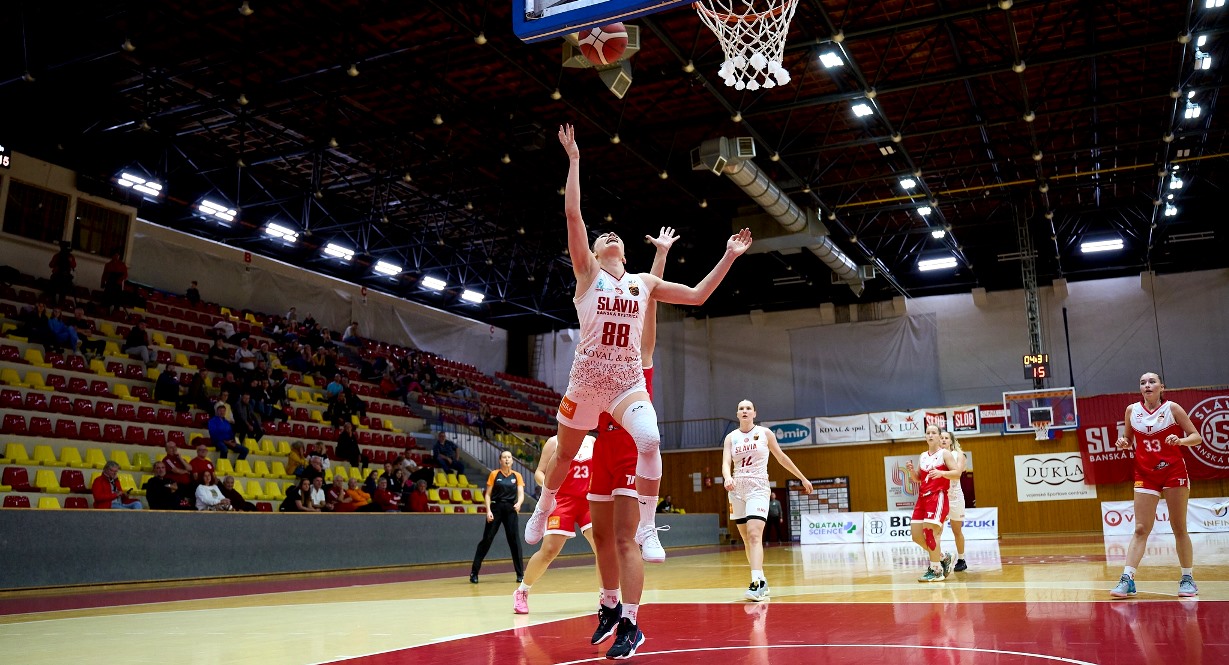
{"x":888,"y":527}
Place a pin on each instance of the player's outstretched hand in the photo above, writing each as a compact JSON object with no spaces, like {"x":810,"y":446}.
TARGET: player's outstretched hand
{"x":665,"y":239}
{"x":807,"y":488}
{"x":567,"y":138}
{"x":1122,"y":443}
{"x":739,"y":242}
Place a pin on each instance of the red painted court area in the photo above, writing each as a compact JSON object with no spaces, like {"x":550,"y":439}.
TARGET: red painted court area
{"x":1006,"y":633}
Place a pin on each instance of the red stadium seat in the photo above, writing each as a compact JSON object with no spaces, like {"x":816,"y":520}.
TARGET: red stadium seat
{"x":77,"y":364}
{"x":17,"y":478}
{"x":156,"y":436}
{"x":91,"y":431}
{"x":83,"y":408}
{"x":76,"y":502}
{"x":166,"y":417}
{"x":142,"y":392}
{"x":99,"y":388}
{"x":135,"y":435}
{"x":10,"y":398}
{"x":77,"y":386}
{"x":112,"y":433}
{"x":74,"y":481}
{"x":435,"y":508}
{"x":146,"y":414}
{"x":328,"y":433}
{"x":183,"y":419}
{"x":264,"y":507}
{"x":313,"y":432}
{"x":126,"y":411}
{"x":16,"y":501}
{"x":36,"y":401}
{"x":66,"y":429}
{"x":298,"y":431}
{"x":115,"y":367}
{"x":176,"y":437}
{"x":40,"y":426}
{"x":60,"y":404}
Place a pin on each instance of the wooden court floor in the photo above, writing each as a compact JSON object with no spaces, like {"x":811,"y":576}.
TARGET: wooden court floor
{"x":1023,"y":600}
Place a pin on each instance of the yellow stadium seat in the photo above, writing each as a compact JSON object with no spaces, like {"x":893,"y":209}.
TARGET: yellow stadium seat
{"x":142,"y":462}
{"x":433,"y":495}
{"x":10,"y":377}
{"x":71,"y":457}
{"x":283,"y":448}
{"x":129,"y":483}
{"x":309,"y":381}
{"x":471,"y":509}
{"x":153,"y":373}
{"x":97,"y":367}
{"x":120,"y":390}
{"x":93,"y":459}
{"x":181,"y":359}
{"x":260,"y":469}
{"x":251,"y":491}
{"x":273,"y":490}
{"x":160,"y":340}
{"x":339,"y":470}
{"x":46,"y":481}
{"x":15,"y":453}
{"x":193,"y":437}
{"x":317,"y":416}
{"x":250,"y":318}
{"x":49,"y":503}
{"x":43,"y":456}
{"x":120,"y":457}
{"x":440,"y":480}
{"x":107,"y":328}
{"x":452,"y":480}
{"x":388,"y":425}
{"x":223,"y":468}
{"x":293,"y":395}
{"x":111,"y":349}
{"x":479,"y":497}
{"x":35,"y":380}
{"x":243,"y":469}
{"x":35,"y":357}
{"x":328,"y":476}
{"x":279,"y":471}
{"x":7,"y":327}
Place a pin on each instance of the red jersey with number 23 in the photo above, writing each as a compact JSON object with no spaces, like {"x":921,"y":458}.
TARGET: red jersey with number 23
{"x":1151,"y":429}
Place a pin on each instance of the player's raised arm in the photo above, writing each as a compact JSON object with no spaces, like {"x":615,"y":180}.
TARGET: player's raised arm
{"x":680,"y":294}
{"x":584,"y":263}
{"x":663,"y":242}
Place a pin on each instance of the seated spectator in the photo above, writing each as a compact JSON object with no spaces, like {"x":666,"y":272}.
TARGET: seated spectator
{"x":90,"y":348}
{"x":447,"y":455}
{"x":166,"y":387}
{"x":360,"y":498}
{"x":245,"y":357}
{"x":298,"y":498}
{"x":222,"y":434}
{"x":236,"y":499}
{"x":315,"y":468}
{"x":193,"y":295}
{"x":296,"y":462}
{"x":354,"y":404}
{"x":247,"y":420}
{"x":62,"y":334}
{"x":137,"y":345}
{"x":108,"y":493}
{"x":162,"y":493}
{"x":348,"y":449}
{"x":219,"y":357}
{"x":224,"y":329}
{"x":666,"y":505}
{"x":32,"y":324}
{"x":350,"y":336}
{"x":369,"y":485}
{"x":292,"y":316}
{"x":413,"y":471}
{"x":416,"y":500}
{"x":319,"y":500}
{"x":335,"y":497}
{"x":385,"y":499}
{"x":209,"y":496}
{"x":223,"y":403}
{"x":177,"y":468}
{"x":201,"y":463}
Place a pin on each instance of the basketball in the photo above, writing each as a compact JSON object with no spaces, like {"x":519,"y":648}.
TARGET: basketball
{"x":603,"y":45}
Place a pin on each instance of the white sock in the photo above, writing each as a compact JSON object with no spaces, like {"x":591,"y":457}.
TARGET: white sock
{"x":609,"y":598}
{"x":1188,"y":571}
{"x":648,"y":511}
{"x":523,"y":587}
{"x":757,"y":575}
{"x":630,"y":611}
{"x":1129,"y":571}
{"x":547,"y":502}
{"x":960,"y":555}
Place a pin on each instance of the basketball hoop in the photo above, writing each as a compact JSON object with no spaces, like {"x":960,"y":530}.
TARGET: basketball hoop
{"x":1042,"y":429}
{"x":752,"y":35}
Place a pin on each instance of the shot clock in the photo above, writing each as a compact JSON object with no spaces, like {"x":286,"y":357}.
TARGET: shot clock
{"x":1036,"y":365}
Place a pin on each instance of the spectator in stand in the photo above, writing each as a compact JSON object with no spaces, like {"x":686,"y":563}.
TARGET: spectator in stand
{"x":308,"y":322}
{"x":62,"y":334}
{"x":224,"y":329}
{"x":666,"y":505}
{"x":296,"y":462}
{"x":336,"y":498}
{"x":177,"y":468}
{"x":32,"y":324}
{"x":62,"y":265}
{"x":108,"y":493}
{"x":201,"y":463}
{"x":360,"y":498}
{"x":219,"y":356}
{"x":209,"y":496}
{"x":90,"y":348}
{"x":245,"y":357}
{"x":416,"y":500}
{"x":197,"y":395}
{"x":348,"y":449}
{"x":350,"y":336}
{"x":369,"y":485}
{"x":247,"y":420}
{"x":318,"y":498}
{"x":194,"y":295}
{"x":162,"y":493}
{"x":236,"y":499}
{"x":354,"y":404}
{"x":413,"y":472}
{"x":384,"y":498}
{"x":138,"y":346}
{"x":166,"y":387}
{"x":298,"y":498}
{"x":315,"y":467}
{"x":292,"y":316}
{"x":447,"y":456}
{"x":222,"y":433}
{"x":114,"y":277}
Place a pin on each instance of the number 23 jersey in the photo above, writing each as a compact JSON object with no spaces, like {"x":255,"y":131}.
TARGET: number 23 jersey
{"x":1151,"y":428}
{"x":611,"y":314}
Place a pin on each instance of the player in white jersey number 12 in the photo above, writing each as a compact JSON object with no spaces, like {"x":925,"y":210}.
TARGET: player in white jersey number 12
{"x":606,"y":371}
{"x":747,"y":448}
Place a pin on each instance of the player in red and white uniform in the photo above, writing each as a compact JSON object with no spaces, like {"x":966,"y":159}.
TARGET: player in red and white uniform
{"x":955,"y":497}
{"x":1157,"y":429}
{"x":606,"y":372}
{"x":931,"y":508}
{"x":571,"y":512}
{"x":747,"y":448}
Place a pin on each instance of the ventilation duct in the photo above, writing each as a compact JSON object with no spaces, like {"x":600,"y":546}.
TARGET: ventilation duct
{"x":732,"y":157}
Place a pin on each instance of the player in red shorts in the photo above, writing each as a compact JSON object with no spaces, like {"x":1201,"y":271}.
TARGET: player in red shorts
{"x":1157,"y":429}
{"x":571,"y":512}
{"x":931,"y":508}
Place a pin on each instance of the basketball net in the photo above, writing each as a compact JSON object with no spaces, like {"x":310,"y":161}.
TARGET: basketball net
{"x":1042,"y":430}
{"x":752,"y":35}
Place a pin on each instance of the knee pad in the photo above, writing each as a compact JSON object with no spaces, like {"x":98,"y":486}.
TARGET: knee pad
{"x":930,"y":540}
{"x":640,"y":421}
{"x":648,"y":465}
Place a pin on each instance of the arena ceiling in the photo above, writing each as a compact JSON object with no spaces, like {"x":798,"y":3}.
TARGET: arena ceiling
{"x":422,"y":134}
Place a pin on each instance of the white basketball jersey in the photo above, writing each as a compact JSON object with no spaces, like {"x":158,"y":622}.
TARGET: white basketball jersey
{"x":749,"y":451}
{"x":611,"y":314}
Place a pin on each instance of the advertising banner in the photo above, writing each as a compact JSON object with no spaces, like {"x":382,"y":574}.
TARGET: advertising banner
{"x":891,"y":425}
{"x":1104,"y":463}
{"x":1209,"y":413}
{"x":1051,"y":477}
{"x":823,"y":528}
{"x":1202,"y":516}
{"x":792,"y":432}
{"x":902,"y":490}
{"x":842,"y":429}
{"x":890,"y":527}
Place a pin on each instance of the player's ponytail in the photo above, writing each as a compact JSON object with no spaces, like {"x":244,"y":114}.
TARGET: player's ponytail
{"x":955,"y":444}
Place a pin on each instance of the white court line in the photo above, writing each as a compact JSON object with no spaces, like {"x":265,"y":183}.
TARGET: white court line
{"x":1026,"y":654}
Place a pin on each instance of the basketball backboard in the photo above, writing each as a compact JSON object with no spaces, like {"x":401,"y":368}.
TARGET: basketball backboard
{"x":1026,"y":408}
{"x":536,"y":20}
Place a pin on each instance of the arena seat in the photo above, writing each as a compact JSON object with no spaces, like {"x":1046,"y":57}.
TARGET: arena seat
{"x":251,"y":490}
{"x":15,"y":453}
{"x":142,"y":462}
{"x":146,"y":414}
{"x":77,"y":386}
{"x":177,"y":437}
{"x":13,"y":501}
{"x":434,"y":508}
{"x":43,"y":455}
{"x":434,"y":495}
{"x":260,"y":469}
{"x":45,"y":480}
{"x":70,"y":456}
{"x":49,"y":503}
{"x":134,"y":435}
{"x":66,"y":429}
{"x":74,"y":481}
{"x":112,"y":433}
{"x":223,"y":468}
{"x":243,"y":469}
{"x":82,"y":408}
{"x":264,"y":507}
{"x":93,"y":459}
{"x":155,"y":436}
{"x":104,"y":410}
{"x":279,"y":471}
{"x":274,"y":490}
{"x":36,"y":402}
{"x":40,"y":426}
{"x":76,"y":502}
{"x":120,"y":457}
{"x":60,"y":404}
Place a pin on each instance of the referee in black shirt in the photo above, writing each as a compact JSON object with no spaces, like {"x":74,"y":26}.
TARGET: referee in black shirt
{"x":505,"y":492}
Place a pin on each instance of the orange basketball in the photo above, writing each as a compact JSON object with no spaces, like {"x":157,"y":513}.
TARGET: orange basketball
{"x":603,"y":45}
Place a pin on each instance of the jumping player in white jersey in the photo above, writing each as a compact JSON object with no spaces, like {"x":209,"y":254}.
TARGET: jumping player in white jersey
{"x":1157,"y":428}
{"x":747,"y":449}
{"x":607,"y":373}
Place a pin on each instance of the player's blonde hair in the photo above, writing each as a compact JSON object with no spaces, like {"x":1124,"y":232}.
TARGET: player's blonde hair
{"x":955,"y":442}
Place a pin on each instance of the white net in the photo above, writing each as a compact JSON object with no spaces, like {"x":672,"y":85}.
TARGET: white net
{"x":1042,"y":430}
{"x":752,"y":35}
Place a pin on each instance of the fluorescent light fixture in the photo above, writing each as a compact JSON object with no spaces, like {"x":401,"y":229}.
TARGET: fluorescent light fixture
{"x":862,"y":109}
{"x":1203,"y":60}
{"x":385,"y":268}
{"x":938,"y":234}
{"x":830,"y":59}
{"x":1175,"y":183}
{"x":924,"y":211}
{"x":1169,"y":197}
{"x":945,"y":263}
{"x":149,"y":187}
{"x":1171,"y":210}
{"x":1203,"y":39}
{"x":1192,"y":111}
{"x":1094,"y":246}
{"x":434,"y":284}
{"x":339,"y":251}
{"x":275,"y":230}
{"x":886,"y":150}
{"x":472,"y":296}
{"x":907,"y":183}
{"x":1213,"y":4}
{"x":212,"y":209}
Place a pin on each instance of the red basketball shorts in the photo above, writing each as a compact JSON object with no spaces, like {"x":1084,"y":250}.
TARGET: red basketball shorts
{"x":570,"y":512}
{"x":613,"y":469}
{"x":931,"y":508}
{"x":1153,"y":481}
